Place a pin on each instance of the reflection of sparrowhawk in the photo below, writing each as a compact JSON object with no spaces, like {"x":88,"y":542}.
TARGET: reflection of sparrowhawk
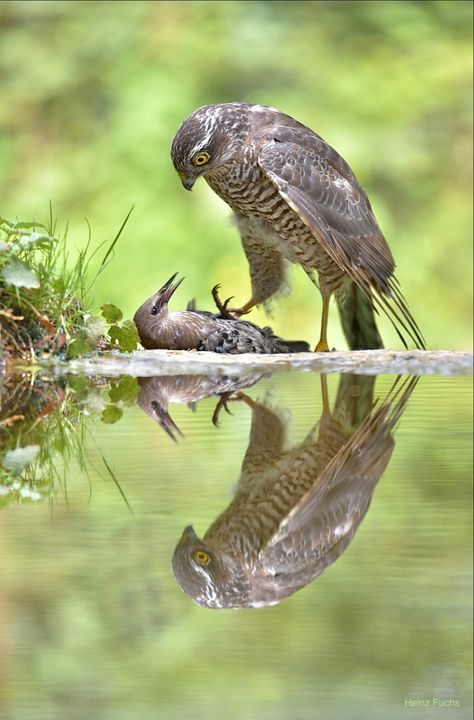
{"x":295,"y":511}
{"x":295,"y":199}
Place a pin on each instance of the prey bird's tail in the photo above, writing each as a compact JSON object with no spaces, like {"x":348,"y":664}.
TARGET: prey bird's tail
{"x":292,"y":346}
{"x":358,"y":319}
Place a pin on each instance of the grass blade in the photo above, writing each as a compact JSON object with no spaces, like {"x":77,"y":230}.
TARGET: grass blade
{"x":112,"y":475}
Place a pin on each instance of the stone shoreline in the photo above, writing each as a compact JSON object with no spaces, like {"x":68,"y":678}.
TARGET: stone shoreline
{"x":146,"y":363}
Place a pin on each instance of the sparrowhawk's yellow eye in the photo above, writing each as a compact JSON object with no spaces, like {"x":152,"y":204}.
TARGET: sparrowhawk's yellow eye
{"x":201,"y":557}
{"x":201,"y":158}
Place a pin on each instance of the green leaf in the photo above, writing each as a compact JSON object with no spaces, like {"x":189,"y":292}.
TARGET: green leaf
{"x":111,"y":414}
{"x":18,"y":274}
{"x":94,"y":327}
{"x":16,"y":460}
{"x":111,"y":313}
{"x":126,"y":391}
{"x":129,"y":327}
{"x":80,"y":343}
{"x":125,"y":336}
{"x":59,"y":445}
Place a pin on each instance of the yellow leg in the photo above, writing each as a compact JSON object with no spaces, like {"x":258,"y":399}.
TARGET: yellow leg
{"x":237,"y":312}
{"x":248,"y":307}
{"x":322,"y":345}
{"x":325,"y":393}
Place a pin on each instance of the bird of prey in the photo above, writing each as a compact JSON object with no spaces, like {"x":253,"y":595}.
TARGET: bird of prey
{"x":201,"y":330}
{"x":295,"y":511}
{"x":295,"y":199}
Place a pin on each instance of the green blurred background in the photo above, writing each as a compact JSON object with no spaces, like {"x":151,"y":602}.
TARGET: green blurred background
{"x":93,"y":92}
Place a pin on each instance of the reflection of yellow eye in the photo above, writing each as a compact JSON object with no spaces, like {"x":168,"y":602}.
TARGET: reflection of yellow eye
{"x":201,"y":557}
{"x":201,"y":158}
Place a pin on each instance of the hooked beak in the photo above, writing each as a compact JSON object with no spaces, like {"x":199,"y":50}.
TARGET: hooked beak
{"x":164,"y":294}
{"x":188,"y":535}
{"x":187,"y":181}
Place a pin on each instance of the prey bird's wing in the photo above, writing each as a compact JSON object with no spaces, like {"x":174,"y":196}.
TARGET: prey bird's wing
{"x":234,"y":339}
{"x":321,"y":189}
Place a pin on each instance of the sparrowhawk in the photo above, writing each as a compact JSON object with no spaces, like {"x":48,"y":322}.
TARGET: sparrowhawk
{"x":295,"y":510}
{"x":295,"y":199}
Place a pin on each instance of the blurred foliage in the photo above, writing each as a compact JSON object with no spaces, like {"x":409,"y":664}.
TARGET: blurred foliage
{"x":93,"y":92}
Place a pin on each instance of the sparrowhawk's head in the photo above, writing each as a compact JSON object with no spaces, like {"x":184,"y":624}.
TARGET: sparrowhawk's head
{"x":211,"y":577}
{"x":209,"y":137}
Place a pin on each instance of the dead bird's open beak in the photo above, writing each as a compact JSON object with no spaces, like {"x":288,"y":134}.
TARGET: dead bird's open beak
{"x":164,"y":419}
{"x":164,"y":294}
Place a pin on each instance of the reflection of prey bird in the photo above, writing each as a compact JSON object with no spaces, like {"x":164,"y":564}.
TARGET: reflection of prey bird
{"x":296,"y":510}
{"x":156,"y":393}
{"x":199,"y":330}
{"x":295,"y":199}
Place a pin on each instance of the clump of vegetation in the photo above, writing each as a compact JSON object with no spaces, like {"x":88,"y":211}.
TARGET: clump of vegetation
{"x":45,"y":295}
{"x":45,"y":311}
{"x":44,"y":424}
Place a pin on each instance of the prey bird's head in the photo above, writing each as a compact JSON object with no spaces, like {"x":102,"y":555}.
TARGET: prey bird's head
{"x":153,"y":399}
{"x":156,"y":307}
{"x":210,"y":137}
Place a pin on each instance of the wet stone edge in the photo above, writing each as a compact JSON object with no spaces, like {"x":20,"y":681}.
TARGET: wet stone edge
{"x":147,"y":363}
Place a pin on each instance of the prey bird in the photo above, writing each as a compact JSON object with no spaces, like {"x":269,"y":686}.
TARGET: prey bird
{"x":296,"y":200}
{"x":158,"y":392}
{"x":194,"y":329}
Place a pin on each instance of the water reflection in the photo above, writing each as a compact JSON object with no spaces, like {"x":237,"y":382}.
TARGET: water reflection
{"x":156,"y":393}
{"x":28,"y":409}
{"x":295,"y":511}
{"x":44,"y":424}
{"x":94,"y":623}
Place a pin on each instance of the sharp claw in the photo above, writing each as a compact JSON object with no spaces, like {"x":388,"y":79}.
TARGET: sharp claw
{"x":237,"y":311}
{"x":222,"y":403}
{"x":225,"y":312}
{"x":227,"y":397}
{"x":216,"y":298}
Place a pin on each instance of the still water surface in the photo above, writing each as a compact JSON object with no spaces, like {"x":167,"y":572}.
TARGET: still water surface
{"x":372,"y":502}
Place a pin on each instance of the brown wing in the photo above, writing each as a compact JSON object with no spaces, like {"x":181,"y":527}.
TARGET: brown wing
{"x":322,"y":524}
{"x":322,"y":190}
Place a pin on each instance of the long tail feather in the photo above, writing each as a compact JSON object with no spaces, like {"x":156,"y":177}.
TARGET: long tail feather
{"x":357,"y":314}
